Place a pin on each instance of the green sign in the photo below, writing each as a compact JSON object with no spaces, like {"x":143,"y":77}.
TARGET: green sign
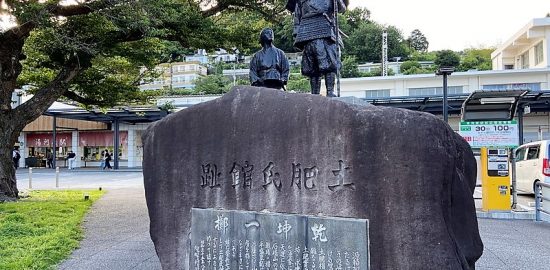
{"x":490,"y":133}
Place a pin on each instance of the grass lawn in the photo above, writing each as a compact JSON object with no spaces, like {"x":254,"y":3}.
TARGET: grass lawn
{"x":41,"y":230}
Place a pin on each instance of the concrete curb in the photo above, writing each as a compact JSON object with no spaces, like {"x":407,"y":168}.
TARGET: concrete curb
{"x":513,"y":215}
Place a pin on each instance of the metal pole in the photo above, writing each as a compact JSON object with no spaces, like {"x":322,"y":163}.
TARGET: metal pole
{"x":537,"y":201}
{"x":234,"y":77}
{"x":54,"y":143}
{"x":514,"y":179}
{"x":337,"y":33}
{"x":445,"y":107}
{"x":56,"y":177}
{"x":30,"y":178}
{"x":520,"y":124}
{"x":116,"y":141}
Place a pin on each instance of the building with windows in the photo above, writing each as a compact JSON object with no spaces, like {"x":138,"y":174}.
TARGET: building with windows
{"x":200,"y":56}
{"x":177,"y":75}
{"x":458,"y":83}
{"x":87,"y":134}
{"x":527,"y":49}
{"x":519,"y":63}
{"x":395,"y":66}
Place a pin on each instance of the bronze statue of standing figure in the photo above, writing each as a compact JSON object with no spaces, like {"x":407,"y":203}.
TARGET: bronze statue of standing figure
{"x":315,"y":34}
{"x":269,"y":66}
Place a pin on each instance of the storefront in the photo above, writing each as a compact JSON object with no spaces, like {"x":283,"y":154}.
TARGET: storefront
{"x":93,"y":144}
{"x":40,"y":145}
{"x":87,"y":134}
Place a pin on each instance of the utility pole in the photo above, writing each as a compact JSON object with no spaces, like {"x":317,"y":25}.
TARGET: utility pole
{"x":385,"y":52}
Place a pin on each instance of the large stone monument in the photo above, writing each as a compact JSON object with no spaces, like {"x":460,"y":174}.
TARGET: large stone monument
{"x":257,"y":149}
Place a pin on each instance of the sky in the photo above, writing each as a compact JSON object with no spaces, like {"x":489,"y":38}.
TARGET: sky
{"x":457,"y":25}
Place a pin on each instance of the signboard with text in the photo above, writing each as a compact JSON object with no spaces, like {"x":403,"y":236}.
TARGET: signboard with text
{"x":490,"y":133}
{"x":230,"y":239}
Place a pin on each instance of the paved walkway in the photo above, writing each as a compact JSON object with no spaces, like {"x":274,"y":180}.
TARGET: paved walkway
{"x":117,"y":234}
{"x":117,"y":238}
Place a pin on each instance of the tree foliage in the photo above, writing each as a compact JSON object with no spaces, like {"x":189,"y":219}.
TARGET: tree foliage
{"x":298,"y":83}
{"x":90,"y":51}
{"x":350,"y":67}
{"x":414,"y":67}
{"x":365,"y":43}
{"x":283,"y":31}
{"x":212,"y":84}
{"x":477,"y":59}
{"x":417,"y":41}
{"x":242,"y":31}
{"x":422,"y":56}
{"x":447,"y":58}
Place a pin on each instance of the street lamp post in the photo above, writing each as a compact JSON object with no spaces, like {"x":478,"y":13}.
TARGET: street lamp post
{"x":445,"y":71}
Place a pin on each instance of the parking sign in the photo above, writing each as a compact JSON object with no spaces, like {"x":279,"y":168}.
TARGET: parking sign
{"x":490,"y":133}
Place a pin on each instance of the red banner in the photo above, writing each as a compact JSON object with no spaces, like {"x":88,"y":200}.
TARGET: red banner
{"x":103,"y":138}
{"x":46,"y":139}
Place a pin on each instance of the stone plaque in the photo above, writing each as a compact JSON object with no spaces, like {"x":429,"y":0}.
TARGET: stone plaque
{"x":222,"y":239}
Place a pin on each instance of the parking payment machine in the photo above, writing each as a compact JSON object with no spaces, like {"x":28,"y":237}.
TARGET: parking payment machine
{"x":495,"y":179}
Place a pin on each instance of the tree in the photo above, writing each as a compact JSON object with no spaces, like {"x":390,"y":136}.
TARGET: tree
{"x":417,"y":41}
{"x":478,"y":59}
{"x":212,"y":84}
{"x":365,"y":43}
{"x":298,"y":83}
{"x":85,"y":52}
{"x":350,"y":68}
{"x":447,"y":58}
{"x":422,"y":56}
{"x":242,"y":31}
{"x":355,"y":17}
{"x":283,"y":35}
{"x":413,"y":67}
{"x":407,"y":66}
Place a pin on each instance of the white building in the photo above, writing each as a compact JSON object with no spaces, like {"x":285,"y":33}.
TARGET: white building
{"x":222,"y":55}
{"x":458,"y":83}
{"x":200,"y":56}
{"x":395,"y":66}
{"x":527,"y":49}
{"x":175,"y":75}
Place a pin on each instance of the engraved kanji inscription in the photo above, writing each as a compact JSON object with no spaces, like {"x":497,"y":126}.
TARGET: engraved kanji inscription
{"x":271,"y":178}
{"x":210,"y":176}
{"x":297,"y":175}
{"x":221,"y":223}
{"x":229,"y":239}
{"x":247,"y":175}
{"x":310,"y":175}
{"x":284,"y":228}
{"x":241,"y":175}
{"x":306,"y":176}
{"x":342,"y":180}
{"x":319,"y":233}
{"x":235,"y":173}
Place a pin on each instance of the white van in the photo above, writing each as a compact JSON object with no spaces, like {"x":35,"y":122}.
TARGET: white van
{"x":532,"y":165}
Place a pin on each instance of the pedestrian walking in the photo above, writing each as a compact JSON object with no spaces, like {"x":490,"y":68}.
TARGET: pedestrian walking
{"x":72,"y":158}
{"x":49,"y":159}
{"x":16,"y":157}
{"x":102,"y":158}
{"x":107,"y":160}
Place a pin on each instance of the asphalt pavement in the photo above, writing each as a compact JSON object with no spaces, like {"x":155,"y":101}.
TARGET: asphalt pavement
{"x":117,"y":227}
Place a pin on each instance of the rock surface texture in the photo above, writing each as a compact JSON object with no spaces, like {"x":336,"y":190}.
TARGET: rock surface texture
{"x":258,"y":149}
